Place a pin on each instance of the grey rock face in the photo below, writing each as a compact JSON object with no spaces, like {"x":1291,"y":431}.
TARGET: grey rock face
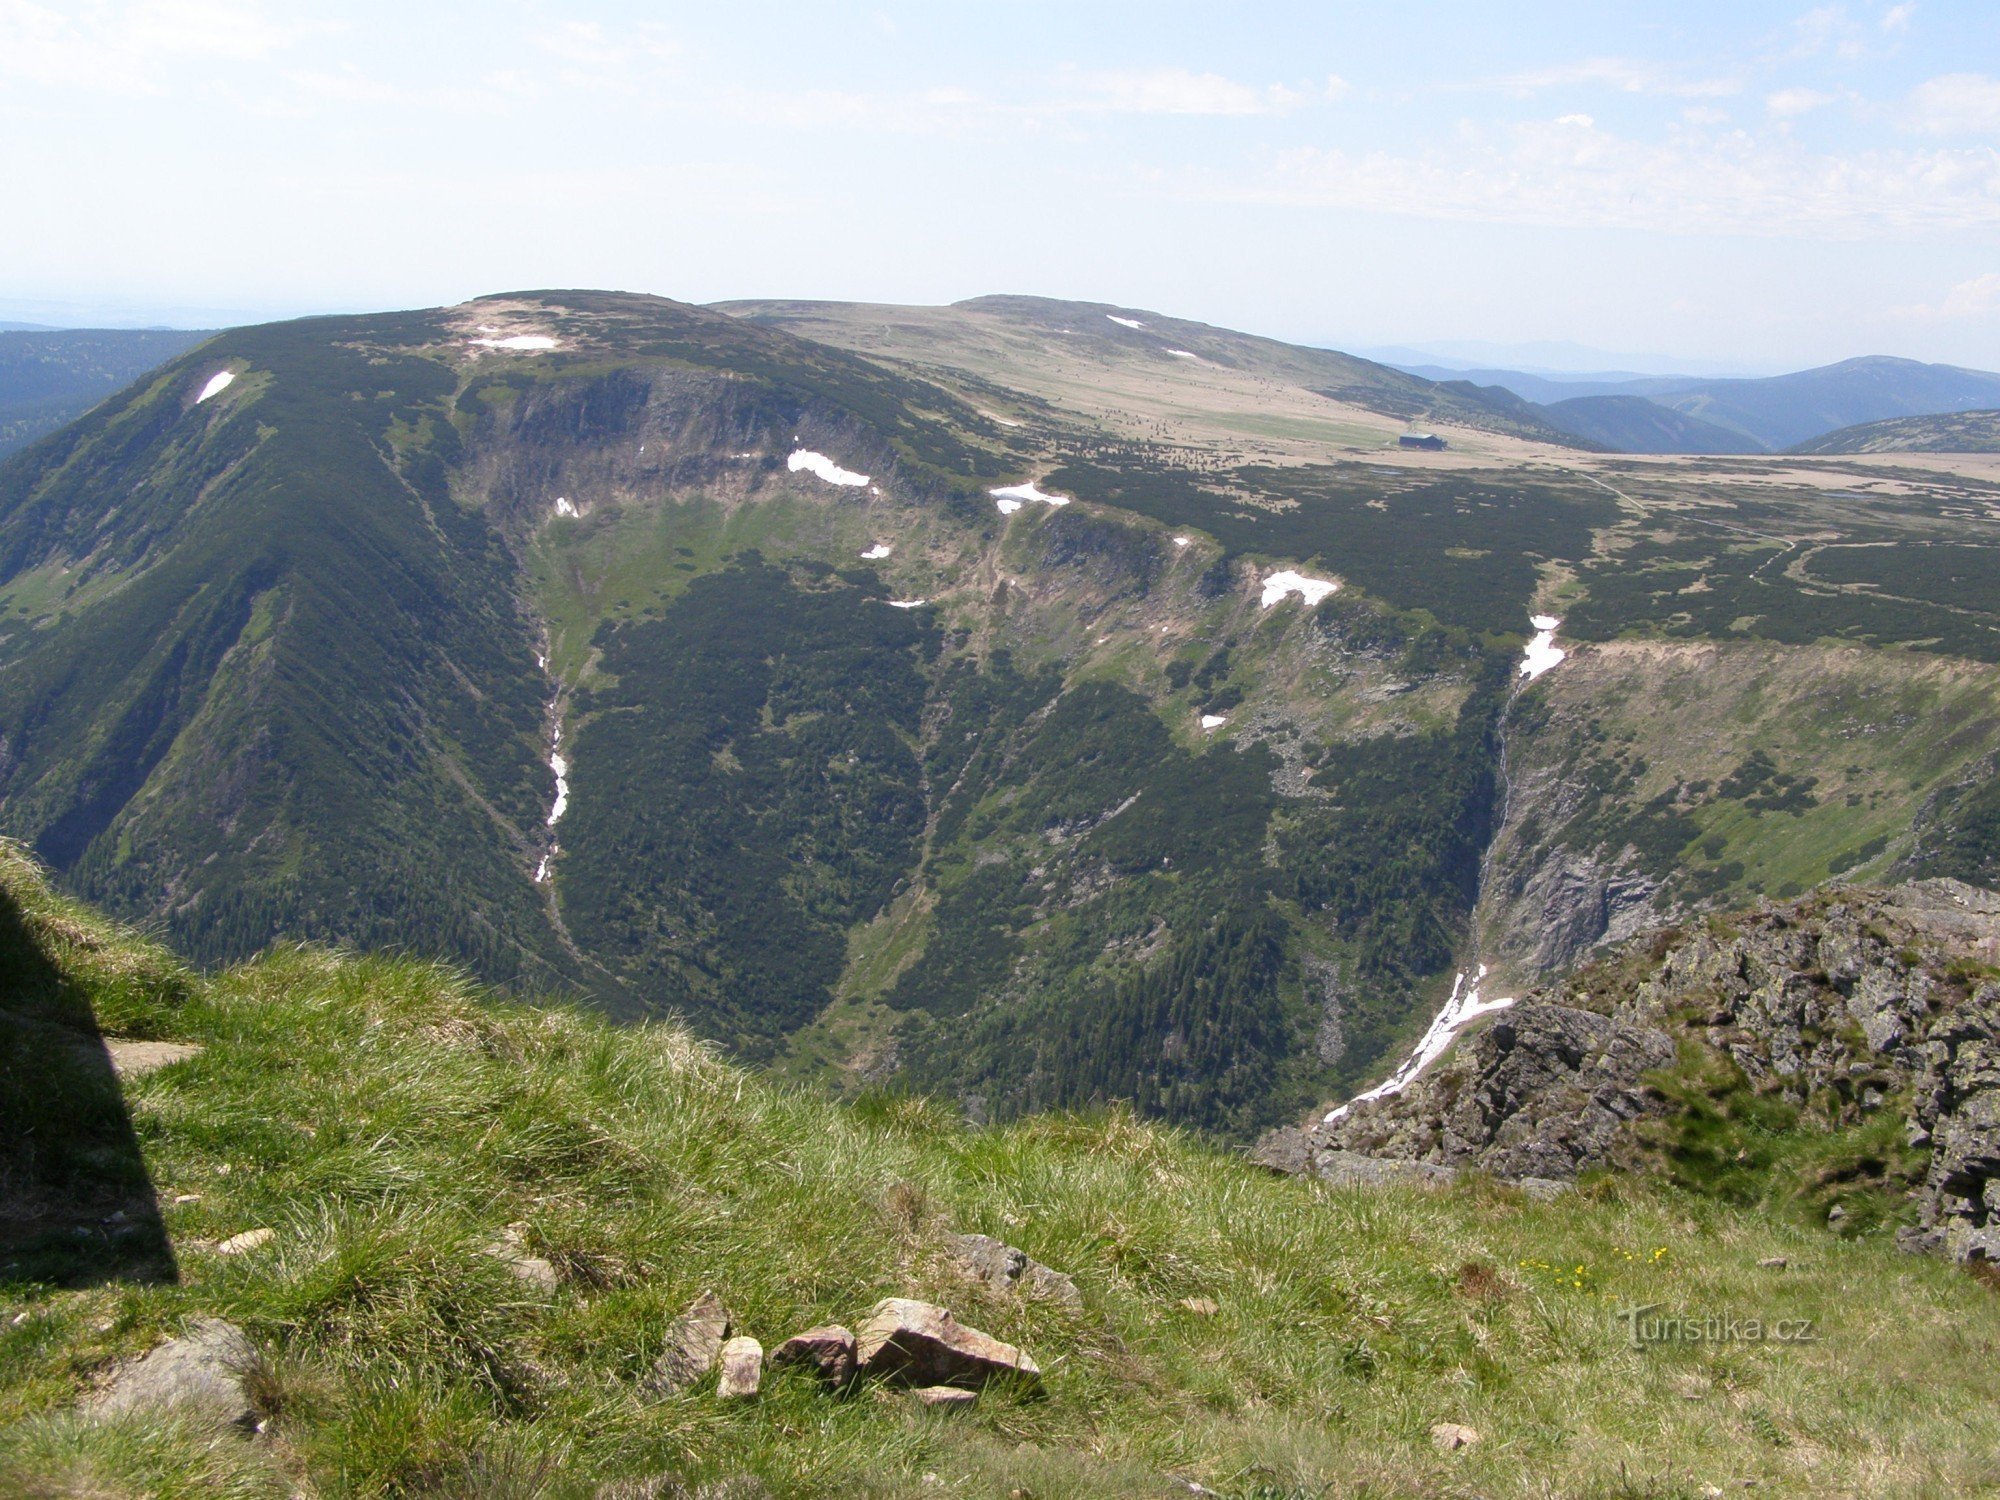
{"x":1542,"y":1092}
{"x":1004,"y":1268}
{"x":1848,"y":998}
{"x":202,"y":1372}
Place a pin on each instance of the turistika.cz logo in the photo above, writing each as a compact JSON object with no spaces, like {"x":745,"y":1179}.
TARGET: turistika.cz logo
{"x":1645,"y":1324}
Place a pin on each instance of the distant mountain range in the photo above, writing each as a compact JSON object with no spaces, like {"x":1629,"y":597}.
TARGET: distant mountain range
{"x":49,"y":377}
{"x":1693,"y":414}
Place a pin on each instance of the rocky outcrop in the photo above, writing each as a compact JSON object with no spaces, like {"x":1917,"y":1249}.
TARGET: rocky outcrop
{"x":1845,"y":1002}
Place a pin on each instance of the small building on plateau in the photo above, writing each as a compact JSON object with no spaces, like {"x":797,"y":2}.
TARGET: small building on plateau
{"x":1428,"y":440}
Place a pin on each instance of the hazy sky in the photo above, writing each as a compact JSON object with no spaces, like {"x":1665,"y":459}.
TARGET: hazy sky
{"x":1718,"y":180}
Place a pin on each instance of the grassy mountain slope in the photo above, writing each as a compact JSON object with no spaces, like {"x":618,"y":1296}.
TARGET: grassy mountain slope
{"x":1107,"y":365}
{"x":1954,"y":432}
{"x":389,"y":1123}
{"x":50,"y":377}
{"x":1633,"y":424}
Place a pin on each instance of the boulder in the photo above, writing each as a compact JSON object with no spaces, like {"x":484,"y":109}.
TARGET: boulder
{"x":1005,"y":1269}
{"x":248,"y":1240}
{"x":742,"y":1369}
{"x":694,"y":1343}
{"x":946,"y":1397}
{"x":201,"y":1372}
{"x":827,"y":1350}
{"x":918,"y":1343}
{"x":1449,"y":1437}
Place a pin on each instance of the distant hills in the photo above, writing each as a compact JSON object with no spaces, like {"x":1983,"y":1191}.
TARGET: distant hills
{"x":49,"y":377}
{"x":1692,"y":414}
{"x":1952,"y":432}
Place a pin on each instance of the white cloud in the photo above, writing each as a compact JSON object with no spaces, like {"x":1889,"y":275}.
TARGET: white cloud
{"x":1957,"y":104}
{"x":1567,"y":174}
{"x":1177,"y":91}
{"x":1976,"y":298}
{"x":1789,"y":104}
{"x":131,"y":47}
{"x":1897,"y":17}
{"x":1828,"y":28}
{"x":1620,"y":74}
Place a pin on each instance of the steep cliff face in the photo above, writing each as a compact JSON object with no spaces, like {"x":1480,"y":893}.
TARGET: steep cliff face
{"x":1865,"y":1018}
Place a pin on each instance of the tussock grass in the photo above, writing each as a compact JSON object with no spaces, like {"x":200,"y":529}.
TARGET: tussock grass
{"x":389,"y":1120}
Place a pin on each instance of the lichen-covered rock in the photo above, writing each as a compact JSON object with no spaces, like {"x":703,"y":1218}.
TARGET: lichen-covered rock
{"x":918,"y":1343}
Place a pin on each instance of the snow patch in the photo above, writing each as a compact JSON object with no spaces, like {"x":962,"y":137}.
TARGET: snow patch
{"x":526,"y":343}
{"x":822,"y":467}
{"x":1463,"y":1007}
{"x":563,"y":507}
{"x":217,"y":384}
{"x":1018,"y":494}
{"x":908,"y":603}
{"x":1183,"y":354}
{"x":1182,"y":541}
{"x":1312,"y":590}
{"x":1213,"y":721}
{"x":1542,"y":652}
{"x":880,"y":549}
{"x":1125,"y":322}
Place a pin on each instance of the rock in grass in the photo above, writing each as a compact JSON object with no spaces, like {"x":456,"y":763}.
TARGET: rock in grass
{"x":694,"y":1343}
{"x":249,"y":1239}
{"x":200,"y":1373}
{"x":742,"y":1369}
{"x":511,"y":1250}
{"x":946,"y":1397}
{"x":1006,"y":1269}
{"x":828,"y":1350}
{"x":1201,"y":1307}
{"x":918,"y":1343}
{"x":1449,"y":1437}
{"x":1773,"y":1263}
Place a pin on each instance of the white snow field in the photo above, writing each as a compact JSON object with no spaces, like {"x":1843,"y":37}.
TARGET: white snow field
{"x":1213,"y":721}
{"x":217,"y":384}
{"x":1011,"y":498}
{"x":822,"y":467}
{"x":1312,"y":590}
{"x":563,"y":507}
{"x":1542,"y":652}
{"x":880,"y":549}
{"x":520,"y":343}
{"x":1125,"y":322}
{"x":908,"y":603}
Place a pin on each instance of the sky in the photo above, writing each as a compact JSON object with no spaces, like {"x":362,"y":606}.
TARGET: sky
{"x":1717,"y":185}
